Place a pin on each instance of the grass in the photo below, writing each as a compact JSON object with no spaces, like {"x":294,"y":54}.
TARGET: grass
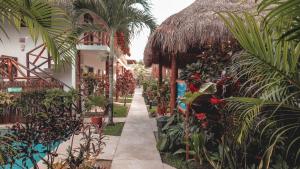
{"x":120,"y":111}
{"x":114,"y":130}
{"x":153,"y":110}
{"x":122,"y":100}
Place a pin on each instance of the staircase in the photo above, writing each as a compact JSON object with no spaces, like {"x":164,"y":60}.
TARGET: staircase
{"x":39,"y":67}
{"x":40,"y":64}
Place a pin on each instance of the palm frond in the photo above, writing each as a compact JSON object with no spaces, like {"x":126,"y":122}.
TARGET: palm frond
{"x":270,"y":73}
{"x":286,"y":11}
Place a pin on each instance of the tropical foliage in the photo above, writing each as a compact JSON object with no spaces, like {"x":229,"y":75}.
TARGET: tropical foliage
{"x":268,"y":67}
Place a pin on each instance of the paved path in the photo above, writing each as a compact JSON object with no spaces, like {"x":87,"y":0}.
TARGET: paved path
{"x":137,"y":145}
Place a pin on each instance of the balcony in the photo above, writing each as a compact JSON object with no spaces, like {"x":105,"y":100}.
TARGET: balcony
{"x":95,"y":41}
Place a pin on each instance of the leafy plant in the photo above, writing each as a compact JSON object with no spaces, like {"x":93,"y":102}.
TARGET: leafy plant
{"x":173,"y":134}
{"x":5,"y":99}
{"x":91,"y":146}
{"x":98,"y":101}
{"x":271,"y":85}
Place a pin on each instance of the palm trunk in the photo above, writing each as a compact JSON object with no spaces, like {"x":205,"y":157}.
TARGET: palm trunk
{"x":111,"y":77}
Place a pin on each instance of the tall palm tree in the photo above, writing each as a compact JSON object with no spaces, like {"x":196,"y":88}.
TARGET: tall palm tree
{"x":118,"y":16}
{"x":44,"y":21}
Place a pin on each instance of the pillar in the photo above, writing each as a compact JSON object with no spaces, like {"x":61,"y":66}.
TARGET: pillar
{"x":78,"y":79}
{"x":159,"y":106}
{"x":174,"y":74}
{"x":160,"y":74}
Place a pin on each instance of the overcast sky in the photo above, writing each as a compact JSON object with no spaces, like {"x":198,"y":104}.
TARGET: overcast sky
{"x":161,"y":10}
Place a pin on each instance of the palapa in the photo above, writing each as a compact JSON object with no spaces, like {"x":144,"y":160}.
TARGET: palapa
{"x":192,"y":32}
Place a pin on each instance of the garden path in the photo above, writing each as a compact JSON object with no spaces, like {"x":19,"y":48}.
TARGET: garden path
{"x":137,"y":145}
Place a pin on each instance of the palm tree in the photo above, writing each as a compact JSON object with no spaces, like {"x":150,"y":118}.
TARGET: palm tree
{"x":118,"y":16}
{"x":44,"y":21}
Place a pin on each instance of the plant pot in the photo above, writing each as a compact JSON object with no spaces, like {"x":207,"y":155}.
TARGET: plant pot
{"x":97,"y":120}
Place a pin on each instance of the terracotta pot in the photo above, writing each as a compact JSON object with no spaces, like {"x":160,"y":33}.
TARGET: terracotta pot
{"x":97,"y":120}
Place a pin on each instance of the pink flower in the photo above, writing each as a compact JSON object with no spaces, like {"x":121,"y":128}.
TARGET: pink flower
{"x":201,"y":116}
{"x":215,"y":101}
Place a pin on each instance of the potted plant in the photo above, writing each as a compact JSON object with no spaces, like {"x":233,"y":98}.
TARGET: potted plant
{"x":96,"y":103}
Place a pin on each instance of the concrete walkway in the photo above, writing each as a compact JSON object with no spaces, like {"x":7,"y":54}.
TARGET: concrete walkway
{"x":137,"y":145}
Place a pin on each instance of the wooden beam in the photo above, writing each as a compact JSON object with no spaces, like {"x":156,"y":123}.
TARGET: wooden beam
{"x":78,"y":71}
{"x":78,"y":79}
{"x":174,"y":74}
{"x":160,"y":69}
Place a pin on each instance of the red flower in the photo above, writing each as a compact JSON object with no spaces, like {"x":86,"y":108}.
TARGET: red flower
{"x":204,"y":124}
{"x":196,"y":76}
{"x":201,"y":116}
{"x":216,"y":101}
{"x":193,"y":88}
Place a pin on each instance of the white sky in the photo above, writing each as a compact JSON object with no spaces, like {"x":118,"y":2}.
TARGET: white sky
{"x":161,"y":9}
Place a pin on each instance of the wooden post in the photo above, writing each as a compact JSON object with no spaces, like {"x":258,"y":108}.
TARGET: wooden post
{"x":78,"y":79}
{"x":158,"y":110}
{"x":160,"y":74}
{"x":174,"y":74}
{"x":27,"y":65}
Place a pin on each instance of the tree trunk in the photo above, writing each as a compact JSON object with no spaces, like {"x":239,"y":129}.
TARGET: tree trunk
{"x":111,"y":77}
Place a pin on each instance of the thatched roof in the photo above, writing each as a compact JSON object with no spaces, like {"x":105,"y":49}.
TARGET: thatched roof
{"x":191,"y":32}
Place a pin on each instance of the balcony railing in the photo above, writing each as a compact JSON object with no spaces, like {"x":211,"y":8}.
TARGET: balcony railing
{"x":95,"y":38}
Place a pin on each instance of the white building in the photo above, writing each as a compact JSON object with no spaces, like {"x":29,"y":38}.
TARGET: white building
{"x":23,"y":60}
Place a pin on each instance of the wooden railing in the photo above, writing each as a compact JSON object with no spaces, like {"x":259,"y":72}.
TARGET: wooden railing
{"x":12,"y":70}
{"x":37,"y":54}
{"x":95,"y":38}
{"x":37,"y":60}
